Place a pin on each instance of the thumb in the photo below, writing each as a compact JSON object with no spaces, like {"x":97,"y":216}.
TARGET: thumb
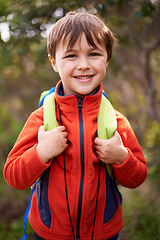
{"x":41,"y":129}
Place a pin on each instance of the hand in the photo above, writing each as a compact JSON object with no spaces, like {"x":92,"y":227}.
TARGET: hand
{"x":51,"y":143}
{"x":111,"y":151}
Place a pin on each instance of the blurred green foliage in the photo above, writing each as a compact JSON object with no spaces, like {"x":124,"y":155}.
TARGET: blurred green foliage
{"x":132,"y":84}
{"x":141,"y":215}
{"x":15,"y":231}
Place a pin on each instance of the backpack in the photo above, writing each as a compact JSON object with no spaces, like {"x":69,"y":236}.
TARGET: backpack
{"x":106,"y":122}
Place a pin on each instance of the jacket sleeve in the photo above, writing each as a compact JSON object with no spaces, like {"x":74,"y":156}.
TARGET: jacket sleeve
{"x":23,"y":166}
{"x":133,"y":171}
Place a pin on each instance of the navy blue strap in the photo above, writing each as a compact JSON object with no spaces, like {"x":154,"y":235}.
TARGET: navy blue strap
{"x":26,"y":216}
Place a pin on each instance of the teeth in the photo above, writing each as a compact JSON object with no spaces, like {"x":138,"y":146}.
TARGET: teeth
{"x":84,"y":77}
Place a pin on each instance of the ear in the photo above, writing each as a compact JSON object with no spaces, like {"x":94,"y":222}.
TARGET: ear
{"x":53,"y":63}
{"x":107,"y":64}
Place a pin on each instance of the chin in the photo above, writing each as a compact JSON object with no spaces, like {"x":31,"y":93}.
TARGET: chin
{"x":84,"y":93}
{"x":87,"y":92}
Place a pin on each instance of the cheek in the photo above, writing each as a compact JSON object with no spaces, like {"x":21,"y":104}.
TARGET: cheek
{"x":67,"y":68}
{"x":102,"y":67}
{"x":105,"y":65}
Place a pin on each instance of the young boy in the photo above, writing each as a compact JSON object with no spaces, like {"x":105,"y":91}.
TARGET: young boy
{"x":75,"y":197}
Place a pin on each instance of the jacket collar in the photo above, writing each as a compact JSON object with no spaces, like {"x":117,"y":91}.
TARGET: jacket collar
{"x":69,"y":103}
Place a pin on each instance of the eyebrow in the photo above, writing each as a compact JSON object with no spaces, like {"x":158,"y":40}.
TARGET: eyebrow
{"x":70,"y":50}
{"x":75,"y":50}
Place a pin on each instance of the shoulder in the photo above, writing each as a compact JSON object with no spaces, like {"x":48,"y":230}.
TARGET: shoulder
{"x":36,"y":118}
{"x":121,"y":119}
{"x":118,"y":114}
{"x":28,"y":134}
{"x":38,"y":113}
{"x":123,"y":125}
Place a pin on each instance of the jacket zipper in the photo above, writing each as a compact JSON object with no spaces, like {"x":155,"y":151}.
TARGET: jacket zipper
{"x":80,"y":100}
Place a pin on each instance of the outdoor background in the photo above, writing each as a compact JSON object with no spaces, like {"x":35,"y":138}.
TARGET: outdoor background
{"x":132,"y":84}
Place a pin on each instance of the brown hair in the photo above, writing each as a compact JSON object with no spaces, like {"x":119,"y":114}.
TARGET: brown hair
{"x":75,"y":24}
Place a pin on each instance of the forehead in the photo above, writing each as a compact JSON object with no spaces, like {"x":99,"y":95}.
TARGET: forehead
{"x":70,"y":41}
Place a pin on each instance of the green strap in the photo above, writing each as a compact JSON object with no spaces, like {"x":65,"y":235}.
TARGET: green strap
{"x":107,"y":125}
{"x":50,"y":121}
{"x":107,"y":122}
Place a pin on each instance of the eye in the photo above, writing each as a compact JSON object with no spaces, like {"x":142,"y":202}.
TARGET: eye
{"x":71,"y":56}
{"x":94,"y":54}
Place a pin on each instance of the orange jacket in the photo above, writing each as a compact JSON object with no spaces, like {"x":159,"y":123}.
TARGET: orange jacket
{"x":48,"y":216}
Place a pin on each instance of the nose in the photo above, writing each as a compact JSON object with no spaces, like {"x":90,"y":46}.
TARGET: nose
{"x":83,"y":64}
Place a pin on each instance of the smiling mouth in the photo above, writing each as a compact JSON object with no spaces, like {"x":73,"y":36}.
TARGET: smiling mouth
{"x":84,"y":77}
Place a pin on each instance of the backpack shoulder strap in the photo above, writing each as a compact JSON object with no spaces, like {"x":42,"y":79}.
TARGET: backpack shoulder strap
{"x":44,"y":95}
{"x":25,"y":219}
{"x":49,"y":112}
{"x":107,"y":124}
{"x":47,"y":99}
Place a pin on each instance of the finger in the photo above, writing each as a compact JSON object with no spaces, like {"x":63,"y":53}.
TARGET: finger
{"x":96,"y":141}
{"x":99,"y":155}
{"x":62,"y":133}
{"x":65,"y":134}
{"x":97,"y":147}
{"x":57,"y":129}
{"x":66,"y":146}
{"x":97,"y":152}
{"x":60,"y":128}
{"x":99,"y":142}
{"x":41,"y":129}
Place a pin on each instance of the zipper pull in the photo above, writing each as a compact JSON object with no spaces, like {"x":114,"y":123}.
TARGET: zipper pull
{"x":80,"y":100}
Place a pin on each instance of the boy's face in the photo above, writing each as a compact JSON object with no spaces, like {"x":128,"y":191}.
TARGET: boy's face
{"x":81,"y":68}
